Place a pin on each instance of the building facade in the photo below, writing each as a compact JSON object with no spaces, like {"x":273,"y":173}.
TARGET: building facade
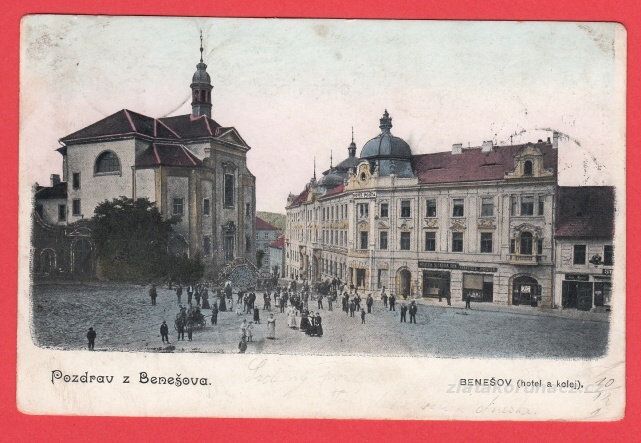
{"x":277,"y":257}
{"x":266,"y":234}
{"x":585,"y":247}
{"x":477,"y":221}
{"x":193,"y":168}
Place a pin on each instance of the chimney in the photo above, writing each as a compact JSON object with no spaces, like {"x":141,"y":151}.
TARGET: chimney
{"x":555,"y":140}
{"x":55,"y":179}
{"x":487,"y":146}
{"x":457,"y":148}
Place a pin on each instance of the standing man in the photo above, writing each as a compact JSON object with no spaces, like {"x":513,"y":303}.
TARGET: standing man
{"x":369,"y":303}
{"x":468,"y":298}
{"x":320,"y":301}
{"x":330,"y":302}
{"x":241,"y":294}
{"x":403,"y":313}
{"x":190,"y":293}
{"x":214,"y":314}
{"x":180,"y":325}
{"x":91,"y":336}
{"x":362,"y":316}
{"x":392,"y":303}
{"x":164,"y":332}
{"x":448,"y":297}
{"x":413,"y":309}
{"x":179,"y":293}
{"x":153,"y":294}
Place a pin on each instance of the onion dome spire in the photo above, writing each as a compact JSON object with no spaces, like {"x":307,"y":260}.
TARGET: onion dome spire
{"x":201,"y":88}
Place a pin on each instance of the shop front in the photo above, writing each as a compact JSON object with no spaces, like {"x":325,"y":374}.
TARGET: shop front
{"x":583,"y":291}
{"x":480,"y":287}
{"x":526,"y":291}
{"x":436,"y":284}
{"x":478,"y":281}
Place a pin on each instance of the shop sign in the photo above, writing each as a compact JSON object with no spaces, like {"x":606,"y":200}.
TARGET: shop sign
{"x":449,"y":265}
{"x":577,"y":277}
{"x":365,"y":194}
{"x":607,"y":271}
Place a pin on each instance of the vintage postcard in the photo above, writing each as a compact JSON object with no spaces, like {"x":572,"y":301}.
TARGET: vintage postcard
{"x":370,"y":219}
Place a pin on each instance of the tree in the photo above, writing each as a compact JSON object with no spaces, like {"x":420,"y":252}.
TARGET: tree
{"x":186,"y":270}
{"x":131,"y":239}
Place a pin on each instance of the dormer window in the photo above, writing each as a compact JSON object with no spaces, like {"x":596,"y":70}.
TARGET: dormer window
{"x":527,"y":167}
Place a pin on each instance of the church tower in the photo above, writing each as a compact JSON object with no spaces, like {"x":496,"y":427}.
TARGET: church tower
{"x":201,"y":88}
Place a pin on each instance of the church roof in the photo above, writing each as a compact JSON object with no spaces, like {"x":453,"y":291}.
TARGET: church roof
{"x":166,"y":154}
{"x":188,"y":126}
{"x":585,"y":212}
{"x":123,"y":122}
{"x":262,"y":225}
{"x":475,"y":165}
{"x":128,"y":123}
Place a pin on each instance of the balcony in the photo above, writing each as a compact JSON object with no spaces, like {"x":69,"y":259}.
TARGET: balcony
{"x":525,"y":259}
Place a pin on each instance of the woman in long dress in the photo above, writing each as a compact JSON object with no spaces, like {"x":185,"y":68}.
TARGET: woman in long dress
{"x":319,"y":325}
{"x":271,"y":327}
{"x":292,"y":318}
{"x":304,"y":322}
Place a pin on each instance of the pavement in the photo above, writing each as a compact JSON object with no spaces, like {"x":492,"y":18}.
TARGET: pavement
{"x":520,"y":310}
{"x":124,"y":319}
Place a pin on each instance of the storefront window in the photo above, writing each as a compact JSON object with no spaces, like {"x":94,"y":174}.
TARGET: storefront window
{"x":480,"y":287}
{"x":602,"y":294}
{"x":436,"y":284}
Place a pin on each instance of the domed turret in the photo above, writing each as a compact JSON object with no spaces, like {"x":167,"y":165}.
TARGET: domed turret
{"x":332,"y":179}
{"x":201,"y":76}
{"x":392,"y":154}
{"x":201,"y":88}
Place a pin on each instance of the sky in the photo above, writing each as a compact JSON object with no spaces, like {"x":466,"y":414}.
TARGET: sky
{"x":294,"y":88}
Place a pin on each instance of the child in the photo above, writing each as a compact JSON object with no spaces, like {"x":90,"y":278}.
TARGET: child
{"x":190,"y":331}
{"x":250,"y":326}
{"x":239,"y":310}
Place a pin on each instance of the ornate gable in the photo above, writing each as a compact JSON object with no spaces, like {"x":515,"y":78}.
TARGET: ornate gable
{"x":362,"y":179}
{"x":232,"y":136}
{"x":529,"y":163}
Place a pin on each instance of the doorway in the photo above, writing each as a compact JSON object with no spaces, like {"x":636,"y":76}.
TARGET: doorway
{"x":405,"y":283}
{"x":525,"y":291}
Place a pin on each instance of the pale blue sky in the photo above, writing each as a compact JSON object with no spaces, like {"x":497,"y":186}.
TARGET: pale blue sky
{"x":294,"y":88}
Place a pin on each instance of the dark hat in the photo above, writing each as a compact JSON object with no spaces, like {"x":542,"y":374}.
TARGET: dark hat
{"x":91,"y":329}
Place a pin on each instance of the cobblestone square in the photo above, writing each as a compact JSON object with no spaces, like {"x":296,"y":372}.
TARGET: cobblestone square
{"x":124,"y":319}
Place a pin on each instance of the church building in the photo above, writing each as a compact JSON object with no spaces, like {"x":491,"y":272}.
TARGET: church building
{"x":191,"y":166}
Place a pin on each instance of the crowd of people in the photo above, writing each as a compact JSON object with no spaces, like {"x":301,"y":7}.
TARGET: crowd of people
{"x":292,"y":300}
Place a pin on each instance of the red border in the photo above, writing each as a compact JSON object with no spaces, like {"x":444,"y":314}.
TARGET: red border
{"x":34,"y":428}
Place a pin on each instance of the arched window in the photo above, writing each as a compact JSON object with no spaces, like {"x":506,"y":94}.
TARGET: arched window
{"x":527,"y":167}
{"x":107,"y":162}
{"x":526,"y":243}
